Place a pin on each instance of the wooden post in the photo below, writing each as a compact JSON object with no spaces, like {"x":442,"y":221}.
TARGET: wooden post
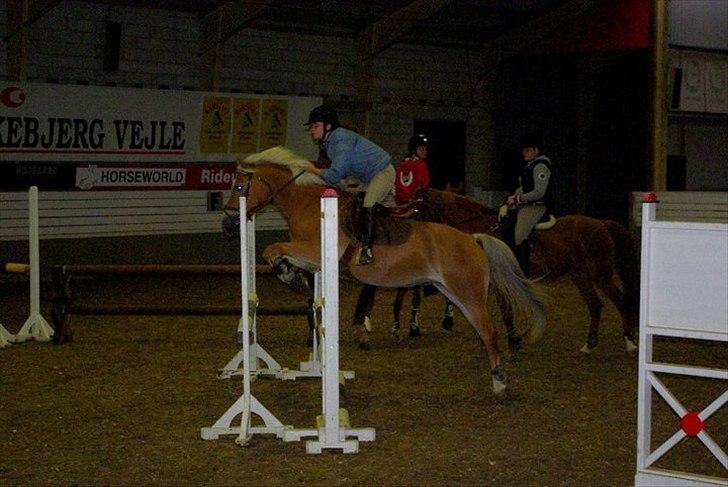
{"x":658,"y":125}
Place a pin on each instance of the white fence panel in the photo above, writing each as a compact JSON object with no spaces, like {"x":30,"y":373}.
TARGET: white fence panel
{"x":78,"y":214}
{"x":684,"y":291}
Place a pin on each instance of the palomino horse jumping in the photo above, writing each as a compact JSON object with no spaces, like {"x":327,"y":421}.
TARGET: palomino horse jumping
{"x":460,"y":265}
{"x":585,"y":249}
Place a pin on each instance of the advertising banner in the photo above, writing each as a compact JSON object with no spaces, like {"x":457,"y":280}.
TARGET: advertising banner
{"x":96,"y":124}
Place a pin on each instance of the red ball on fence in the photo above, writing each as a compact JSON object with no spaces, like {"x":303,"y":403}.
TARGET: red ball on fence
{"x":329,"y":193}
{"x":691,"y":424}
{"x":650,"y":197}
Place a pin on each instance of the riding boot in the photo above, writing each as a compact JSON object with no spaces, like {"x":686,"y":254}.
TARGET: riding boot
{"x":523,"y":252}
{"x":366,"y":256}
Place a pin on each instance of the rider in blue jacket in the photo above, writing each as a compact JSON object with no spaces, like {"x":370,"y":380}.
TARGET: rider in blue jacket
{"x":352,"y":155}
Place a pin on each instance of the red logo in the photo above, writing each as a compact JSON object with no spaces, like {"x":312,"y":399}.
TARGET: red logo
{"x":12,"y":97}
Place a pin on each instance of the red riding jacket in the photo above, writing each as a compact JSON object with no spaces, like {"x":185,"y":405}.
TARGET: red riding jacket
{"x":412,"y":174}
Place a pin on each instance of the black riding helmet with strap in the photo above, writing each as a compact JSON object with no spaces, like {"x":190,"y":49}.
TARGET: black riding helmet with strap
{"x":417,"y":140}
{"x":327,"y":116}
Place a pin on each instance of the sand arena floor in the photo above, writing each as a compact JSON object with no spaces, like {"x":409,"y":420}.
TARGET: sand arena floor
{"x":124,"y":403}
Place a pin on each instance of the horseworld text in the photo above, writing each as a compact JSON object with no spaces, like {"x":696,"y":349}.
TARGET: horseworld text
{"x":81,"y":133}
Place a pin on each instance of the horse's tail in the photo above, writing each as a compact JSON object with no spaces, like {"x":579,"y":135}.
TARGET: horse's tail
{"x":625,"y":259}
{"x":524,"y":296}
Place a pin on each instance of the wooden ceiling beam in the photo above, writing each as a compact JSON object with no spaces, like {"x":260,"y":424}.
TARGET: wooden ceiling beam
{"x":377,"y":37}
{"x":388,"y":30}
{"x":217,"y":27}
{"x":528,"y":34}
{"x":229,"y":19}
{"x":21,"y":15}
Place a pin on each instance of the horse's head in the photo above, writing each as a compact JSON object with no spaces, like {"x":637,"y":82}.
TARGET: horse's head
{"x":260,"y":178}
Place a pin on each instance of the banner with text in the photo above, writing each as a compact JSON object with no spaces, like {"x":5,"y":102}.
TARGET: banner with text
{"x":54,"y":122}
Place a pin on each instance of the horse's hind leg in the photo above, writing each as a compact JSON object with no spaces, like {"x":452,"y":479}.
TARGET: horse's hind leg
{"x":586,"y":288}
{"x":514,"y":339}
{"x":472,"y":303}
{"x":414,"y":326}
{"x":362,"y":313}
{"x":606,"y":284}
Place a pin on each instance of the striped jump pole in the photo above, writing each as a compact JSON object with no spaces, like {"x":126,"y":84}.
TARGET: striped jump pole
{"x":35,"y":327}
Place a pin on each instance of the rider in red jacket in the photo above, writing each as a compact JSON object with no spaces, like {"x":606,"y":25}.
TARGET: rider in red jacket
{"x":412,"y":173}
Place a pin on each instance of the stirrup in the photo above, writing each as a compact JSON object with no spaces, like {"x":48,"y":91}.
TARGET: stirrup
{"x":366,"y":256}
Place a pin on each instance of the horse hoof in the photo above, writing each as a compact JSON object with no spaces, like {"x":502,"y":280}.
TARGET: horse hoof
{"x":629,"y":346}
{"x":586,"y":349}
{"x":414,"y":332}
{"x":396,"y":338}
{"x":367,"y":324}
{"x":447,"y":323}
{"x":499,"y":389}
{"x":364,"y":346}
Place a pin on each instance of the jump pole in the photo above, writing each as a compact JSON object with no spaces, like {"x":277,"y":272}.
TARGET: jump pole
{"x":35,"y":327}
{"x":257,"y":353}
{"x":332,"y":427}
{"x":247,"y":404}
{"x":333,"y":431}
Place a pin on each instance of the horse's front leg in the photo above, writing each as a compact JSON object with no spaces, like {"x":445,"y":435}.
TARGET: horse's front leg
{"x":288,"y":259}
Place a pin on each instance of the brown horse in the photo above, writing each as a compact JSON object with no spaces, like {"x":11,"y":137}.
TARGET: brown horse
{"x":585,"y":249}
{"x":459,"y":265}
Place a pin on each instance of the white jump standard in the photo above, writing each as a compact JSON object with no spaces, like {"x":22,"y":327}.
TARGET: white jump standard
{"x":35,"y":327}
{"x":683,"y":295}
{"x":332,"y":430}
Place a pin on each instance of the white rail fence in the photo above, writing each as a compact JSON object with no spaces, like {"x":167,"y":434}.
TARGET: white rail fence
{"x":79,"y":214}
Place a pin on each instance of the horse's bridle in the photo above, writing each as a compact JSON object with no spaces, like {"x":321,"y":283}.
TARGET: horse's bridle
{"x":244,"y":190}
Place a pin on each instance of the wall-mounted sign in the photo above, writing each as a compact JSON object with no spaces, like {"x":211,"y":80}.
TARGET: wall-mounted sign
{"x":215,"y":126}
{"x":274,"y":124}
{"x":246,"y":125}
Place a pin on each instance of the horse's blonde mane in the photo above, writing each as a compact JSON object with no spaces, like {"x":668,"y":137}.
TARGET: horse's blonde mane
{"x":283,"y":156}
{"x":278,"y":155}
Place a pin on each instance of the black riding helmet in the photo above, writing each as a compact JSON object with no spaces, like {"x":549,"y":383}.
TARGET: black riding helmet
{"x":531,"y":141}
{"x":417,"y":140}
{"x":325,"y":114}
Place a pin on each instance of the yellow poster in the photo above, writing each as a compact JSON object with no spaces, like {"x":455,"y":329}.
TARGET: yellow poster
{"x":274,"y":124}
{"x":215,"y":126}
{"x":246,"y":125}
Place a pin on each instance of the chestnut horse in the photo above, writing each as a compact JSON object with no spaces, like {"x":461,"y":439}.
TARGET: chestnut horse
{"x":585,"y":249}
{"x":460,"y":265}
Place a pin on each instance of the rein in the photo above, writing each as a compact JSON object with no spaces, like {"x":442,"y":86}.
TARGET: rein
{"x":273,"y":193}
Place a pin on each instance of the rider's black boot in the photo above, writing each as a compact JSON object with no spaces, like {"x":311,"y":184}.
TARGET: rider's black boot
{"x":366,"y":256}
{"x":523,"y":255}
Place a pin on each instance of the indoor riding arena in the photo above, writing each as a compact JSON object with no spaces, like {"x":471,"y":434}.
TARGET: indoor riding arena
{"x":167,"y":317}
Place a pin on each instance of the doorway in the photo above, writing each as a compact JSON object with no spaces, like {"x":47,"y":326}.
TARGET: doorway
{"x":446,"y":151}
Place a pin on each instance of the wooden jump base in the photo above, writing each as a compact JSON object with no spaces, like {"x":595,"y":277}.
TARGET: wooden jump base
{"x":63,"y":305}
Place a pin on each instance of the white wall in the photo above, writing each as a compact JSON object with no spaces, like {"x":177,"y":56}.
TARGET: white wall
{"x":160,"y":47}
{"x":699,"y":23}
